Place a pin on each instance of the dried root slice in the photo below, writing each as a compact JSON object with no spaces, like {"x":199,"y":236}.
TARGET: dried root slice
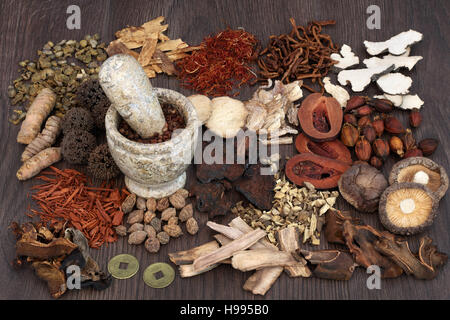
{"x":336,"y":91}
{"x":421,"y":170}
{"x":394,"y":83}
{"x":188,"y":270}
{"x":397,"y":61}
{"x":410,"y":102}
{"x":202,"y":105}
{"x":188,"y":256}
{"x":39,"y":162}
{"x":396,"y":100}
{"x":407,"y":208}
{"x":346,"y":58}
{"x":262,"y":280}
{"x":228,"y":116}
{"x":359,"y":79}
{"x":396,"y":45}
{"x":261,"y":258}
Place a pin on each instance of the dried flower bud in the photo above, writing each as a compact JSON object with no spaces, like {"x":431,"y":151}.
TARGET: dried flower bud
{"x":415,"y":118}
{"x":428,"y":146}
{"x":156,"y":224}
{"x":393,"y":125}
{"x":121,"y":230}
{"x":148,"y":216}
{"x":172,"y":220}
{"x":408,"y":140}
{"x":396,"y":146}
{"x":378,"y":125}
{"x":381,"y":148}
{"x":183,"y":192}
{"x":369,"y":133}
{"x":151,"y":232}
{"x":413,"y":153}
{"x":355,"y":102}
{"x":350,"y":118}
{"x":141,"y":203}
{"x":349,"y":135}
{"x":376,"y":162}
{"x":363,"y":149}
{"x":136,"y":227}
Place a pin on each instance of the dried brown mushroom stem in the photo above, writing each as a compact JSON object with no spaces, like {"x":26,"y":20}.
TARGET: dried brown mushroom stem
{"x":331,"y":264}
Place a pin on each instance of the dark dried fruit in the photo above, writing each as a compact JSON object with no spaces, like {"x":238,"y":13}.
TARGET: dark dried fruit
{"x":350,"y":118}
{"x":331,"y":149}
{"x":376,"y":162}
{"x":381,"y":105}
{"x":355,"y":102}
{"x":363,"y":111}
{"x":364,"y":121}
{"x":381,"y":148}
{"x":415,"y":118}
{"x":363,"y":150}
{"x":321,"y":172}
{"x":393,"y":125}
{"x":408,"y":140}
{"x":428,"y":146}
{"x":349,"y":135}
{"x":378,"y":125}
{"x":415,"y":152}
{"x":320,"y":117}
{"x":369,"y":133}
{"x":396,"y":145}
{"x":209,"y":172}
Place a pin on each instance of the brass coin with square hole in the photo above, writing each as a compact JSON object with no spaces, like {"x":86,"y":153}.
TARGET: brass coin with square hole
{"x":123,"y":266}
{"x":159,"y":275}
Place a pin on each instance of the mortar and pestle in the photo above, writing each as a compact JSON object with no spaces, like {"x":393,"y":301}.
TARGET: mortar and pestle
{"x":151,"y":170}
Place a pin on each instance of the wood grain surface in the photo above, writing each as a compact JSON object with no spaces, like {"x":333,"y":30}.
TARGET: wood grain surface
{"x":27,"y":25}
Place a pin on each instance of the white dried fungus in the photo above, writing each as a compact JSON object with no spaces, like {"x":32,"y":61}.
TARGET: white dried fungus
{"x":396,"y":45}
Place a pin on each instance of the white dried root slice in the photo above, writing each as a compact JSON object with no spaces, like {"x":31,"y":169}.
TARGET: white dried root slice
{"x":336,"y":91}
{"x":395,"y":99}
{"x":397,"y":61}
{"x":396,"y":45}
{"x":411,"y":101}
{"x":394,"y":83}
{"x":228,"y":116}
{"x":202,"y":105}
{"x":359,"y":79}
{"x":345,"y":57}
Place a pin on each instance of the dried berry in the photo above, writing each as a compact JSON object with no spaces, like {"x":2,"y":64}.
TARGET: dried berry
{"x":168,"y":213}
{"x":349,"y":135}
{"x":173,"y":230}
{"x":121,"y":230}
{"x":393,"y":125}
{"x":148,"y":216}
{"x":128,"y":203}
{"x":77,"y":145}
{"x":428,"y":146}
{"x":101,"y":164}
{"x":413,"y":153}
{"x":408,"y":140}
{"x":378,"y":125}
{"x":355,"y":102}
{"x":152,"y":245}
{"x":136,"y":227}
{"x":350,"y":118}
{"x":415,"y":118}
{"x":381,"y":105}
{"x":151,"y":204}
{"x":186,"y":213}
{"x":163,"y":237}
{"x":192,"y":226}
{"x":381,"y":148}
{"x":137,"y":237}
{"x":177,"y":201}
{"x":156,"y":224}
{"x":136,"y":216}
{"x":141,"y":203}
{"x":364,"y":121}
{"x":362,"y":111}
{"x":376,"y":162}
{"x":396,"y":146}
{"x":151,"y":232}
{"x":77,"y":119}
{"x":162,"y":204}
{"x":369,"y":133}
{"x":363,"y":150}
{"x":172,"y":220}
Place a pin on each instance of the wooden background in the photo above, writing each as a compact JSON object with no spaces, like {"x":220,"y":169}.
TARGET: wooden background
{"x":27,"y":25}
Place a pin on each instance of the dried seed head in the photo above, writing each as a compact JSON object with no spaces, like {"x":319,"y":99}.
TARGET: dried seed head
{"x":121,"y":230}
{"x":381,"y":148}
{"x":408,"y":140}
{"x":415,"y":118}
{"x":428,"y":146}
{"x":136,"y":227}
{"x":393,"y":125}
{"x":349,"y":135}
{"x":378,"y":125}
{"x":183,"y":192}
{"x":148,"y":216}
{"x":156,"y":224}
{"x":172,"y":220}
{"x":396,"y":146}
{"x":363,"y":149}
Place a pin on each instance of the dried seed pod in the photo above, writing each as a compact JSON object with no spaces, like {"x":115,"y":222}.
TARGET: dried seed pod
{"x":156,"y":224}
{"x":163,"y":237}
{"x":136,"y":227}
{"x":172,"y":220}
{"x":408,"y":140}
{"x":369,"y":133}
{"x":349,"y":135}
{"x":364,"y":121}
{"x":135,"y":216}
{"x":350,"y":118}
{"x":363,"y":150}
{"x":376,"y":162}
{"x":151,"y":204}
{"x":393,"y":125}
{"x":362,"y":111}
{"x":152,"y":245}
{"x":121,"y":230}
{"x":162,"y":204}
{"x":381,"y":105}
{"x":173,"y":230}
{"x":183,"y":192}
{"x":415,"y":118}
{"x":177,"y":201}
{"x":151,"y":232}
{"x":378,"y":125}
{"x":428,"y":146}
{"x":128,"y":203}
{"x":415,"y":152}
{"x":380,"y":148}
{"x":186,"y":213}
{"x":168,"y":213}
{"x":141,"y":203}
{"x":396,"y":146}
{"x":148,"y":216}
{"x":355,"y":102}
{"x":192,"y":226}
{"x":137,"y":237}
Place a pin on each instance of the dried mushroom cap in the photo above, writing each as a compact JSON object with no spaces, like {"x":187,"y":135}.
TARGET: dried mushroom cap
{"x":407,"y":208}
{"x":362,"y":186}
{"x":421,"y":170}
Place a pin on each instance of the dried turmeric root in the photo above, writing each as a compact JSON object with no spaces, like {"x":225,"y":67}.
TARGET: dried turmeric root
{"x":45,"y":139}
{"x":39,"y":110}
{"x":39,"y":162}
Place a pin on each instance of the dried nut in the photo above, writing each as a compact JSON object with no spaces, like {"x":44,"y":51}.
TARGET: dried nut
{"x":177,"y":201}
{"x":362,"y":111}
{"x":376,"y":162}
{"x":172,"y":220}
{"x":428,"y":146}
{"x":137,"y":237}
{"x":393,"y":125}
{"x":152,"y":245}
{"x":136,"y":227}
{"x":148,"y":216}
{"x":350,"y":118}
{"x":355,"y":102}
{"x":136,"y":216}
{"x":141,"y":203}
{"x":364,"y":121}
{"x":413,"y":153}
{"x":128,"y":203}
{"x":156,"y":224}
{"x":378,"y":125}
{"x":186,"y":213}
{"x":349,"y":135}
{"x":151,"y":232}
{"x":380,"y":148}
{"x":173,"y":230}
{"x":415,"y":118}
{"x":369,"y":133}
{"x":121,"y":230}
{"x":163,"y":237}
{"x":381,"y":105}
{"x":396,"y":145}
{"x":168,"y":213}
{"x":363,"y":150}
{"x":151,"y":205}
{"x":192,"y":226}
{"x":162,"y":204}
{"x":183,"y":192}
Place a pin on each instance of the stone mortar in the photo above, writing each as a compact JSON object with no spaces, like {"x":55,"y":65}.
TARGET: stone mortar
{"x":155,"y":170}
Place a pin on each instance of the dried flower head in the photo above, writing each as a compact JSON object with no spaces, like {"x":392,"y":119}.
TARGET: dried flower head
{"x":77,"y":119}
{"x":77,"y":145}
{"x":101,"y":165}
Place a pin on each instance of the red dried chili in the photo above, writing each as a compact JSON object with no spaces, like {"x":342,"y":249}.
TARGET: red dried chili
{"x":65,"y":198}
{"x":221,"y":63}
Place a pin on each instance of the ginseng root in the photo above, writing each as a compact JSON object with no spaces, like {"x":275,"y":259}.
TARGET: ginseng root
{"x":36,"y":164}
{"x":45,"y":139}
{"x":39,"y":110}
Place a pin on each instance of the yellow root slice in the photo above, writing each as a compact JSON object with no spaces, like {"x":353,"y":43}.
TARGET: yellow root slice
{"x":45,"y":139}
{"x":39,"y":162}
{"x":38,"y":112}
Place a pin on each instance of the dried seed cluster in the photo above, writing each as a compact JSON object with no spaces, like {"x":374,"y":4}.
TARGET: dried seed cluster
{"x":156,"y":221}
{"x":303,"y":208}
